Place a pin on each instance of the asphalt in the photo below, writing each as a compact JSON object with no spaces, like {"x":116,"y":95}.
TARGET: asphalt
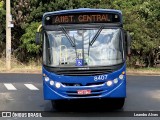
{"x":143,"y":94}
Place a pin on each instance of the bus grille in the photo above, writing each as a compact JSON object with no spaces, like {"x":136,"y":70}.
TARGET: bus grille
{"x":79,"y":84}
{"x":83,"y":71}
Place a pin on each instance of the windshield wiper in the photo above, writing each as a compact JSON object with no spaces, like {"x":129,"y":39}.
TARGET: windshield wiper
{"x":94,"y":38}
{"x":66,"y":34}
{"x":96,"y":35}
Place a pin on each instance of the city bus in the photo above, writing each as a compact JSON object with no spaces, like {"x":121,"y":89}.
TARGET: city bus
{"x":84,"y":55}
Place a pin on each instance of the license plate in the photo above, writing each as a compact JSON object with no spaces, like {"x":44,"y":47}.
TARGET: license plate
{"x":83,"y":92}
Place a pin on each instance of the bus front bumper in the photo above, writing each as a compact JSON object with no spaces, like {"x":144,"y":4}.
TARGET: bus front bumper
{"x":98,"y":91}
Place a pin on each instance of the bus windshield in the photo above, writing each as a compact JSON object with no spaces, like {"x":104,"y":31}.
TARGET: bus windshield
{"x":79,"y":44}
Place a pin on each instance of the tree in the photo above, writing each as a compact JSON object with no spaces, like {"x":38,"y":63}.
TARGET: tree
{"x":28,"y":44}
{"x":141,"y":18}
{"x":2,"y":27}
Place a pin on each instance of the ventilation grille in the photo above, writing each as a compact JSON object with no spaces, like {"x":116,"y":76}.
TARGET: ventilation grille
{"x":83,"y":71}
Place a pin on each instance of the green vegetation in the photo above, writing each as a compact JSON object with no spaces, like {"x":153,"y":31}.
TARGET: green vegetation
{"x":17,"y":66}
{"x":141,"y":18}
{"x":2,"y":28}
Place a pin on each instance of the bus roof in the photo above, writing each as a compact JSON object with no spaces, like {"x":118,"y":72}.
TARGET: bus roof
{"x":83,"y":10}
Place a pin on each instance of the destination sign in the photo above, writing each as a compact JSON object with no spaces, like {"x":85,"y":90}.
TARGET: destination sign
{"x":82,"y":18}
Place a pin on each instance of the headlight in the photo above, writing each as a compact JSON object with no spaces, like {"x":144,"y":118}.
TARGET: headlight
{"x":121,"y":77}
{"x":58,"y":85}
{"x":46,"y":79}
{"x":115,"y":80}
{"x":109,"y":83}
{"x":51,"y":82}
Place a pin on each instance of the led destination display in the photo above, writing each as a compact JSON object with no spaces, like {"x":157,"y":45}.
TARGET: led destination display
{"x":82,"y":18}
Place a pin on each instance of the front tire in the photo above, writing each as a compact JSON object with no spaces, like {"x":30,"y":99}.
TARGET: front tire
{"x":56,"y":104}
{"x":60,"y":105}
{"x":118,"y":103}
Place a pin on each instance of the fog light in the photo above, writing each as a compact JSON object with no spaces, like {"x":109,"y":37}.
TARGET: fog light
{"x":115,"y":80}
{"x":51,"y":82}
{"x":121,"y":77}
{"x":58,"y":85}
{"x":109,"y":83}
{"x":46,"y":79}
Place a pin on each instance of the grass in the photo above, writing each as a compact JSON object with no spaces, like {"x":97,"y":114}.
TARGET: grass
{"x":35,"y":67}
{"x":144,"y":69}
{"x":17,"y":66}
{"x":147,"y":71}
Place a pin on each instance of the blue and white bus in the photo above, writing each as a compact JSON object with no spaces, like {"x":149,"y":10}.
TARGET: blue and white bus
{"x":84,"y":55}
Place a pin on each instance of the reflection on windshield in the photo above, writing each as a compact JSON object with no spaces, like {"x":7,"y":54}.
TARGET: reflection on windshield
{"x":104,"y":51}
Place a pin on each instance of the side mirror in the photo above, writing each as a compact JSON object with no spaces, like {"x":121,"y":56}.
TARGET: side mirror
{"x":128,"y":37}
{"x":38,"y":38}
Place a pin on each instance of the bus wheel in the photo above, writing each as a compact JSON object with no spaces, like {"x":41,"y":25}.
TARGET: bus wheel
{"x":55,"y":104}
{"x":118,"y":103}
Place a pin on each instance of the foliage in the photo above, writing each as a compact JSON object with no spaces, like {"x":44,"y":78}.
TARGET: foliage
{"x":2,"y":27}
{"x":28,"y":42}
{"x":141,"y":18}
{"x":28,"y":39}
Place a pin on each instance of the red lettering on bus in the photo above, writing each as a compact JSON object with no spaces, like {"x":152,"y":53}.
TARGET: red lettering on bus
{"x":104,"y":18}
{"x":57,"y":19}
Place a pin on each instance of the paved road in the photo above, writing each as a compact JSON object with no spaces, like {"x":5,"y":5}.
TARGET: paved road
{"x":23,"y":92}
